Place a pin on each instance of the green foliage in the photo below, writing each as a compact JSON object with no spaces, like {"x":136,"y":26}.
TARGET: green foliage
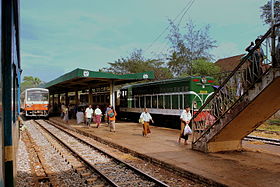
{"x":189,"y":55}
{"x":202,"y":67}
{"x":136,"y":63}
{"x":30,"y":82}
{"x":266,"y":12}
{"x":189,"y":46}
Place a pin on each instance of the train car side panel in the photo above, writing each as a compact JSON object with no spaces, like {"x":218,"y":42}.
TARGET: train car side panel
{"x":1,"y":110}
{"x":10,"y":71}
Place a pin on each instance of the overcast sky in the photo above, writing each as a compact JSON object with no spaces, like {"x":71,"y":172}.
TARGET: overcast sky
{"x":58,"y":36}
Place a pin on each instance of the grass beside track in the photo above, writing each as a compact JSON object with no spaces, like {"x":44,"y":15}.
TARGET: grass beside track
{"x":272,"y":125}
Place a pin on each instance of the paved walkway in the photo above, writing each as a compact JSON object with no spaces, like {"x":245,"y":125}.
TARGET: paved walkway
{"x":246,"y":168}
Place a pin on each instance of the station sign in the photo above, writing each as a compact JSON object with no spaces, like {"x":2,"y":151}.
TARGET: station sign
{"x":86,"y":73}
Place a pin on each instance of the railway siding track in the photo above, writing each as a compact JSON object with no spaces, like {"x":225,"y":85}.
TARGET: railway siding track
{"x":78,"y":166}
{"x":264,"y":140}
{"x":115,"y":171}
{"x":42,"y":175}
{"x":268,"y":132}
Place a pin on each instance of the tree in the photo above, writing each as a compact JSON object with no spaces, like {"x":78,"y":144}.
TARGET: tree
{"x":137,"y":63}
{"x":266,"y":12}
{"x":186,"y":48}
{"x":30,"y":82}
{"x":201,"y":67}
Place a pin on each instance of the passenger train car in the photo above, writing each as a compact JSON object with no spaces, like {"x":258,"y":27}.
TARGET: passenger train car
{"x":35,"y":102}
{"x":9,"y":89}
{"x":165,"y":99}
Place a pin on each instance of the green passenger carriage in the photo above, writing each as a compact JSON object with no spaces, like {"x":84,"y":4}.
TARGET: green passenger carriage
{"x":165,"y":99}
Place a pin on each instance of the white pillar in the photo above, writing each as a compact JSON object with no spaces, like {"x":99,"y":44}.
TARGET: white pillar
{"x":112,"y":95}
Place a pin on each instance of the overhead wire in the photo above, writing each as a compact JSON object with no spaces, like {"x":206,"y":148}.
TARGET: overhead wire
{"x":182,"y":11}
{"x":186,"y":9}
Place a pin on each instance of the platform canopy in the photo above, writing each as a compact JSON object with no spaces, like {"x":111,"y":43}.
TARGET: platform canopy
{"x":80,"y":79}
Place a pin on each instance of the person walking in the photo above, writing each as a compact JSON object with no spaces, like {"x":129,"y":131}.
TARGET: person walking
{"x":112,"y":119}
{"x":88,"y":114}
{"x":146,"y":118}
{"x":185,"y":118}
{"x":256,"y":65}
{"x":98,"y":115}
{"x":106,"y":114}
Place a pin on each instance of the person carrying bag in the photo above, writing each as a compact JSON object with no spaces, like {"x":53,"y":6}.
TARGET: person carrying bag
{"x":185,"y":128}
{"x":145,"y":119}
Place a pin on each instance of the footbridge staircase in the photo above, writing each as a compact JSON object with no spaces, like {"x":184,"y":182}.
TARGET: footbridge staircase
{"x":245,"y":98}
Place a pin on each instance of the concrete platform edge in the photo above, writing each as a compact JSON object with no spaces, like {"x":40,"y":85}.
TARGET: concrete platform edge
{"x":170,"y":167}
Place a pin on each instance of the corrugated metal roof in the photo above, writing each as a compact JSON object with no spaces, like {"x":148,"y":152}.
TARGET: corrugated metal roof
{"x":83,"y":78}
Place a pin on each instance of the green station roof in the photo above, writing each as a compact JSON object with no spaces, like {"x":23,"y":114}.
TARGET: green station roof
{"x":80,"y":79}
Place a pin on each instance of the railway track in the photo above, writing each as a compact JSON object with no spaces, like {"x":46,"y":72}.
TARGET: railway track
{"x":114,"y":171}
{"x":262,"y":139}
{"x":268,"y":132}
{"x":39,"y":171}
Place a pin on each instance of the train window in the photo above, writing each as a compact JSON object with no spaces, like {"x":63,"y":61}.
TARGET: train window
{"x":107,"y":98}
{"x":181,"y":104}
{"x":142,"y":102}
{"x":175,"y":104}
{"x":160,"y":101}
{"x":148,"y":101}
{"x":102,"y":98}
{"x":186,"y":100}
{"x":94,"y":98}
{"x":154,"y":102}
{"x":167,"y":102}
{"x":37,"y":96}
{"x":137,"y":102}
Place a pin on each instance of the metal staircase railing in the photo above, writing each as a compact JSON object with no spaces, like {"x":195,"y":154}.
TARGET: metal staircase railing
{"x":230,"y":92}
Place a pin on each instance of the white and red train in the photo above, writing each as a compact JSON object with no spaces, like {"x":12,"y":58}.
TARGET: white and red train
{"x":35,"y":102}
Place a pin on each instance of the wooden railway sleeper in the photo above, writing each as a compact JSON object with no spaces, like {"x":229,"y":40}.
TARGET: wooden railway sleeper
{"x":46,"y":177}
{"x":89,"y":178}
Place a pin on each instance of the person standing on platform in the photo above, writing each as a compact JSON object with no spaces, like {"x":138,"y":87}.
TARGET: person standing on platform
{"x":66,"y":114}
{"x":106,"y":114}
{"x":112,"y":118}
{"x":88,"y":114}
{"x":185,"y":118}
{"x":98,"y":115}
{"x":80,"y":116}
{"x":62,"y":110}
{"x":146,"y":118}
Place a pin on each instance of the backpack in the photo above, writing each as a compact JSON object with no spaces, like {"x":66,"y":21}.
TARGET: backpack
{"x":111,"y":114}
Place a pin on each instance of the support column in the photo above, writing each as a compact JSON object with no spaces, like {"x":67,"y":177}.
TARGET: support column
{"x":112,"y":95}
{"x":58,"y":99}
{"x":90,"y":96}
{"x":66,"y":99}
{"x":53,"y":100}
{"x":77,"y":97}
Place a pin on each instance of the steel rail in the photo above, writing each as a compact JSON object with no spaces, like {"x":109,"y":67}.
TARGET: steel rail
{"x":263,"y":139}
{"x":75,"y":153}
{"x":156,"y":181}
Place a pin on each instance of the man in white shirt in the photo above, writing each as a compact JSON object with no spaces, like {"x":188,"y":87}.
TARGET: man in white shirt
{"x":98,"y":114}
{"x":185,"y":118}
{"x":146,"y":117}
{"x":88,"y":114}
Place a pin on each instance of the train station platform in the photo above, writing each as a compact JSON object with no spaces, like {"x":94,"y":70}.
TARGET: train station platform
{"x":257,"y":165}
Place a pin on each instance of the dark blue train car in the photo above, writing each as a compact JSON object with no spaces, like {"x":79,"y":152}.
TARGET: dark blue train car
{"x":9,"y":89}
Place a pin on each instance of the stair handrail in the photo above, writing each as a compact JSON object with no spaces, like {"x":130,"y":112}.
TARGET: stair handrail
{"x":236,"y":69}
